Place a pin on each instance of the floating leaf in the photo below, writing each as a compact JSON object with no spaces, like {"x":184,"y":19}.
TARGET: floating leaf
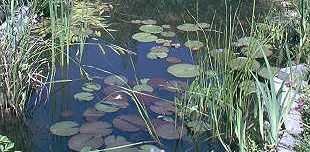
{"x":144,"y":37}
{"x":154,"y":29}
{"x":97,"y":128}
{"x":203,"y":25}
{"x":118,"y":99}
{"x":183,"y":70}
{"x":243,"y":62}
{"x":173,"y":60}
{"x":158,"y":52}
{"x":165,"y":26}
{"x":79,"y":141}
{"x":117,"y":80}
{"x":168,"y":34}
{"x":174,"y":86}
{"x":106,"y":107}
{"x":84,"y":96}
{"x":91,"y":87}
{"x":143,"y":88}
{"x":65,"y":128}
{"x":157,"y":82}
{"x":129,"y":123}
{"x":187,"y":27}
{"x":111,"y":89}
{"x":149,"y":22}
{"x":194,"y":45}
{"x":91,"y":114}
{"x":170,"y":132}
{"x":161,"y":41}
{"x":136,"y":21}
{"x":163,"y":108}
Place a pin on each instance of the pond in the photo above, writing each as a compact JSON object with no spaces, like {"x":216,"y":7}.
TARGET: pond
{"x":151,"y":75}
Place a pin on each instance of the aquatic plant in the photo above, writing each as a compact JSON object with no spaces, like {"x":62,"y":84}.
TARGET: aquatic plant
{"x":65,"y":128}
{"x":182,"y":70}
{"x":6,"y":144}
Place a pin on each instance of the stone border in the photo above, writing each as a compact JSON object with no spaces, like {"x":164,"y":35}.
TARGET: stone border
{"x":293,"y":121}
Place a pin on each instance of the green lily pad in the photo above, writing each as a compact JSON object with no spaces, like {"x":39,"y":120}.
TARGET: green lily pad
{"x":187,"y":27}
{"x":97,"y":128}
{"x":161,"y":41}
{"x":149,"y":148}
{"x":79,"y":141}
{"x":203,"y":25}
{"x":116,"y":80}
{"x":106,"y":107}
{"x":243,"y":62}
{"x":154,"y":29}
{"x":183,"y":70}
{"x":65,"y":128}
{"x":136,"y":21}
{"x":158,"y":52}
{"x":149,"y":22}
{"x":194,"y":45}
{"x":84,"y":96}
{"x":116,"y":141}
{"x":168,"y":34}
{"x":143,"y":88}
{"x":91,"y":87}
{"x":165,"y":26}
{"x":263,"y":72}
{"x":144,"y":37}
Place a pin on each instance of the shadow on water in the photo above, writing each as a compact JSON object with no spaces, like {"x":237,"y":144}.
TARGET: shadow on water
{"x":61,"y":104}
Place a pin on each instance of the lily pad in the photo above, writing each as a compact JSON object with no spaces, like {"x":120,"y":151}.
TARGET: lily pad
{"x":129,"y":123}
{"x":111,"y":89}
{"x":118,"y":99}
{"x":91,"y":114}
{"x":163,"y":108}
{"x":154,"y":29}
{"x":158,"y":52}
{"x":174,"y":86}
{"x":168,"y":34}
{"x":97,"y":128}
{"x":116,"y":141}
{"x":91,"y":87}
{"x":165,"y":26}
{"x":106,"y":107}
{"x":173,"y":60}
{"x":161,"y":41}
{"x":263,"y":72}
{"x":80,"y":141}
{"x":203,"y":25}
{"x":187,"y":27}
{"x":136,"y":21}
{"x":143,"y":88}
{"x":183,"y":70}
{"x":116,"y":80}
{"x":149,"y":22}
{"x":244,"y":63}
{"x":194,"y":45}
{"x":65,"y":128}
{"x":144,"y":37}
{"x":84,"y":96}
{"x":170,"y":132}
